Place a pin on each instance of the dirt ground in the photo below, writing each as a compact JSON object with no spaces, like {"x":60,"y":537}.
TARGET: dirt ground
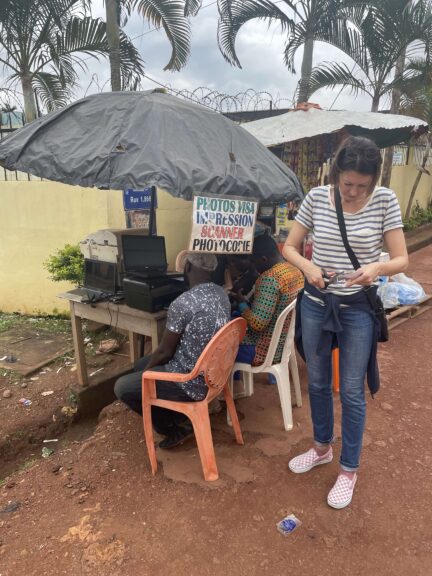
{"x":93,"y":506}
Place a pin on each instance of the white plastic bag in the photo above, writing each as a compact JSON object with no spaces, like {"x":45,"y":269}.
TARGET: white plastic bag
{"x":402,"y":278}
{"x":400,"y":291}
{"x":388,"y":292}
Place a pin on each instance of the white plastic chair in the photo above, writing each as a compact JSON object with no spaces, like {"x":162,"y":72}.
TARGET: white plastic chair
{"x":281,"y":371}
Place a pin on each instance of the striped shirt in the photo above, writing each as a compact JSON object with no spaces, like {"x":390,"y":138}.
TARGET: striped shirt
{"x":365,"y":230}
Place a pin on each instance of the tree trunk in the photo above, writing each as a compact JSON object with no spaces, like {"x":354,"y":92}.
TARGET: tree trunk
{"x":418,"y":178}
{"x":306,"y":69}
{"x":29,"y":98}
{"x":113,"y":39}
{"x":396,"y":96}
{"x":375,"y":102}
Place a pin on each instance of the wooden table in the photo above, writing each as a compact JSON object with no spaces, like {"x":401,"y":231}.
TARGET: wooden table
{"x":117,"y":316}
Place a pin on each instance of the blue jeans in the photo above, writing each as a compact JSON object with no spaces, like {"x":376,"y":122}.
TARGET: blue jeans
{"x":128,"y":389}
{"x":355,"y":342}
{"x":246,"y":354}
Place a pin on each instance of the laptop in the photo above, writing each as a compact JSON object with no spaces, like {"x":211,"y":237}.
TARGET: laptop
{"x":99,"y":283}
{"x":144,"y":257}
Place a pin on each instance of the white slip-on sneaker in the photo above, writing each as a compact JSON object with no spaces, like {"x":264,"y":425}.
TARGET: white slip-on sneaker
{"x":308,"y":460}
{"x":342,"y":492}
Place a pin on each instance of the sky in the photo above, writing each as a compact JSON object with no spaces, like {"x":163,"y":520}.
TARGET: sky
{"x":259,"y":48}
{"x":260,"y":51}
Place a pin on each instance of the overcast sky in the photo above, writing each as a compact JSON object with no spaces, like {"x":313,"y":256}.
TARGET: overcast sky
{"x":259,"y":48}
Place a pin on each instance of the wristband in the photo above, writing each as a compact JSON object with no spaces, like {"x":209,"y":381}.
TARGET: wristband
{"x":243,"y":306}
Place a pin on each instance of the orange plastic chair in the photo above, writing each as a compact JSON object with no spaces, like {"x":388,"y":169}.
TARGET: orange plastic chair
{"x":215,"y":364}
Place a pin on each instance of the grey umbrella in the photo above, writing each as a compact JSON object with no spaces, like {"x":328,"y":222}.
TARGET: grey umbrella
{"x":123,"y":140}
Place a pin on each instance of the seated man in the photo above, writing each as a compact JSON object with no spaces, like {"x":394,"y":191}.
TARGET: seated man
{"x":275,"y":289}
{"x":192,"y":320}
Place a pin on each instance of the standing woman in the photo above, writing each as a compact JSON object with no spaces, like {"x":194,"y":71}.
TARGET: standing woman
{"x":337,"y":310}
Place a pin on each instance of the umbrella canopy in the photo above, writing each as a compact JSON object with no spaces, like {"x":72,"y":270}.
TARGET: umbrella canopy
{"x":123,"y":140}
{"x":384,"y":129}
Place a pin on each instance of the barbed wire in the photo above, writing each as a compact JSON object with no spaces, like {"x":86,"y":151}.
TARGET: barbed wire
{"x":245,"y":101}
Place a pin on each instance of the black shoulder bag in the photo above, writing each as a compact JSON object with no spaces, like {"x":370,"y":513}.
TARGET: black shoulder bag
{"x":371,"y":293}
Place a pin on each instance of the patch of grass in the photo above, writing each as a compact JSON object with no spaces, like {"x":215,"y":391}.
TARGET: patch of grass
{"x":8,"y":321}
{"x":55,"y":324}
{"x":27,"y":465}
{"x":11,"y":376}
{"x":72,"y":397}
{"x":2,"y":482}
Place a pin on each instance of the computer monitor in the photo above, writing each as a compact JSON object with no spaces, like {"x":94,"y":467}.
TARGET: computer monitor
{"x":100,"y":275}
{"x":144,"y":255}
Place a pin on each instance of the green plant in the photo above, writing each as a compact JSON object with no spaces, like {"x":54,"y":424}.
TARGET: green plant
{"x":72,"y":397}
{"x":419,"y":216}
{"x":67,"y":264}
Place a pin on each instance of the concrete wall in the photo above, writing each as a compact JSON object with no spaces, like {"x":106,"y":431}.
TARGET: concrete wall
{"x":37,"y":218}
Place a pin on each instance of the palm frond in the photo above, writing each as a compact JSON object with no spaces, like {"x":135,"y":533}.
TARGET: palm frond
{"x":192,"y":7}
{"x":325,"y":21}
{"x":85,"y":35}
{"x":235,"y":13}
{"x":131,"y":64}
{"x":169,"y":14}
{"x":51,"y":91}
{"x":332,"y":74}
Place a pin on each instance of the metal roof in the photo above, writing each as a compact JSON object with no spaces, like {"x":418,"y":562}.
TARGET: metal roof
{"x":384,"y":129}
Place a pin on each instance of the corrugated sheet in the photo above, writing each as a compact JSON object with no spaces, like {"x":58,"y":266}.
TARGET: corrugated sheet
{"x":296,"y":125}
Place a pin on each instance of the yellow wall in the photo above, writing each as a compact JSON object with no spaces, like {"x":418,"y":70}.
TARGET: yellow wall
{"x":402,"y":181}
{"x":37,"y":218}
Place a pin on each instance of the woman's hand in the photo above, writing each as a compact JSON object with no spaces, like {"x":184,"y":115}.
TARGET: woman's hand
{"x":369,"y":274}
{"x":314,"y":275}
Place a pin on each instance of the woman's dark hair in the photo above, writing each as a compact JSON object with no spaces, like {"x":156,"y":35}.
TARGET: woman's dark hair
{"x":356,"y":154}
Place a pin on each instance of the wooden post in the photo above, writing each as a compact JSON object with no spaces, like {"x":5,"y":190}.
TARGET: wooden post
{"x":78,"y":341}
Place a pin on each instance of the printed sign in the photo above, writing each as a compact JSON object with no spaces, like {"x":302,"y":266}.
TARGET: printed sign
{"x":138,"y":199}
{"x":223,"y":225}
{"x":137,"y":205}
{"x":398,"y":158}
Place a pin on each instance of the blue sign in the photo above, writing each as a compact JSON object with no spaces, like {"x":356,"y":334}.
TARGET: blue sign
{"x":138,"y":199}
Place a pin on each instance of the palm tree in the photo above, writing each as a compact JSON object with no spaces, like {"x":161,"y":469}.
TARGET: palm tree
{"x":388,"y":30}
{"x":42,"y":43}
{"x":313,"y":20}
{"x":168,"y":14}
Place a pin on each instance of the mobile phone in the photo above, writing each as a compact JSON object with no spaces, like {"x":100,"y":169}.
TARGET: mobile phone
{"x":352,"y":275}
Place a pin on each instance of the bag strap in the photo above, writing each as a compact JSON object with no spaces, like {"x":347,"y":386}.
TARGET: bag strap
{"x":350,"y":251}
{"x":342,"y":228}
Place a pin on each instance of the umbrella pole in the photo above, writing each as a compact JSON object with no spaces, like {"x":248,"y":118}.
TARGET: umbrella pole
{"x":152,"y":210}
